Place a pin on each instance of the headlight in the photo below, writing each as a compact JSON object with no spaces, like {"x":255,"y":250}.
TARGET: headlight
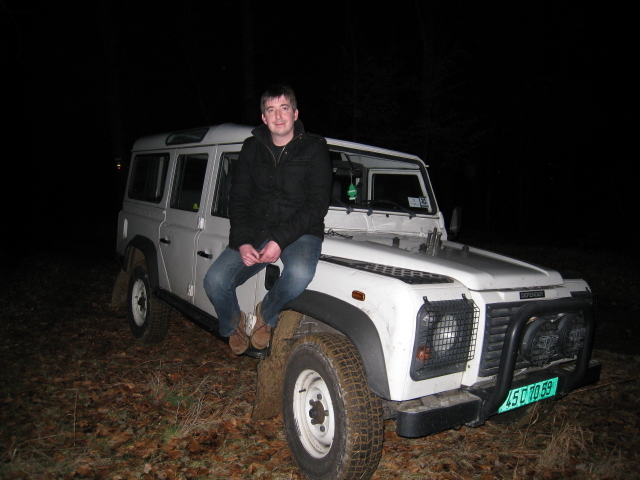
{"x":445,"y":332}
{"x":445,"y":337}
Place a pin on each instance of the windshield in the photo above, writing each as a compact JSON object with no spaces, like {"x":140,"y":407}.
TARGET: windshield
{"x":375,"y":183}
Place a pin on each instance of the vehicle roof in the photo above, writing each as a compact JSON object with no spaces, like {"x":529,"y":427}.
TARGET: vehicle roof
{"x":231,"y":133}
{"x":217,"y":134}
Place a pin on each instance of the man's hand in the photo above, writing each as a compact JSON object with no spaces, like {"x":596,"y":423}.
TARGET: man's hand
{"x":249,"y":255}
{"x":270,"y":253}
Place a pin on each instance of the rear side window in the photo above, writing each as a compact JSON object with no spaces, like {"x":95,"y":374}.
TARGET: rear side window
{"x":187,"y":189}
{"x":220,"y":205}
{"x":148,"y":177}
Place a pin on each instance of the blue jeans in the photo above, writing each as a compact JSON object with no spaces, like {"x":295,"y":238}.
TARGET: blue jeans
{"x":229,"y":272}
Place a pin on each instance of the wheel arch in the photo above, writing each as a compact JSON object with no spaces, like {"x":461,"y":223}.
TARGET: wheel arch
{"x":139,"y":248}
{"x":148,"y":249}
{"x":359,"y":329}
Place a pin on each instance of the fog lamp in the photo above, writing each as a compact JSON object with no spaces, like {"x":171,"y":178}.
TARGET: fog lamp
{"x":540,"y":341}
{"x":571,"y":333}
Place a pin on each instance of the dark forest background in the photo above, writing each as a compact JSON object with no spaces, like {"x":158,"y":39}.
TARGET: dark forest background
{"x":525,"y":111}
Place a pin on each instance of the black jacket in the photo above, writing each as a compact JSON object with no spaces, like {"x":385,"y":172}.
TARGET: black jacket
{"x":279,"y":199}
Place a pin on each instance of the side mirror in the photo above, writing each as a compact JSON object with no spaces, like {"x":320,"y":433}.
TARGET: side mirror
{"x":456,"y":219}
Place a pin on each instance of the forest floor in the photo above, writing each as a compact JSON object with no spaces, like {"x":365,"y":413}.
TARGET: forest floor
{"x":79,"y":398}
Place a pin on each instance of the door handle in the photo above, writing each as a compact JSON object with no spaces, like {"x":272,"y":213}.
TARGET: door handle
{"x":205,"y":255}
{"x":165,"y":240}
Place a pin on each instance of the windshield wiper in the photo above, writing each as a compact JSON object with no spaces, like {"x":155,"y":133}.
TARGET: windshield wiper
{"x":342,"y":204}
{"x":384,"y":200}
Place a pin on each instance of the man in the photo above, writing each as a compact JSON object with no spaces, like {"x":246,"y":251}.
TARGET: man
{"x":280,"y":193}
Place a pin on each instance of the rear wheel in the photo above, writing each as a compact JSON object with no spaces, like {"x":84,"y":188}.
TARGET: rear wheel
{"x":333,"y":423}
{"x":148,"y":317}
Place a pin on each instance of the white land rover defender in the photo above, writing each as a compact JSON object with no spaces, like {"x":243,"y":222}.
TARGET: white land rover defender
{"x":399,"y":322}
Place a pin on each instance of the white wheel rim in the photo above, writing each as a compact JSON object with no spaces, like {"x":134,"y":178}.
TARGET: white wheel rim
{"x":139,"y":302}
{"x":313,"y":413}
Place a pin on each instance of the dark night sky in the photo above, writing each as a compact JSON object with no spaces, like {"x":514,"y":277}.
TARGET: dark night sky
{"x":523,"y":110}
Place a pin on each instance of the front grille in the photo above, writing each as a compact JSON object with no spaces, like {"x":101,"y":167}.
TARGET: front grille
{"x":497,"y":321}
{"x":414,"y":277}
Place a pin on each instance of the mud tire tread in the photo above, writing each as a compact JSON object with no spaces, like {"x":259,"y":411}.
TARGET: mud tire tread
{"x":156,"y":325}
{"x":363,"y":413}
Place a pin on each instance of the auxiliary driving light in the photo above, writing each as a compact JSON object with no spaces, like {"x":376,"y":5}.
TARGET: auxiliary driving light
{"x":540,"y":341}
{"x":571,"y":333}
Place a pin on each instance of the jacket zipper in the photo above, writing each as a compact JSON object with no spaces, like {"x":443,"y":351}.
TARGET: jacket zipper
{"x":277,"y":162}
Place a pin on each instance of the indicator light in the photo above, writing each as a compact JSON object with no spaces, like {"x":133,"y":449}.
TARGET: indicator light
{"x":423,"y":353}
{"x":357,"y":295}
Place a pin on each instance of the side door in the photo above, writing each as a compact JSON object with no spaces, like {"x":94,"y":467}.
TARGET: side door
{"x":214,"y":238}
{"x":185,"y":218}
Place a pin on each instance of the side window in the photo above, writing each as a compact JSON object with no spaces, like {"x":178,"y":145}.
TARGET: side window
{"x":148,"y":176}
{"x":187,"y":187}
{"x":345,"y":174}
{"x":220,"y":205}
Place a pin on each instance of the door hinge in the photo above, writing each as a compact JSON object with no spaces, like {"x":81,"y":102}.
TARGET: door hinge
{"x":190,"y":290}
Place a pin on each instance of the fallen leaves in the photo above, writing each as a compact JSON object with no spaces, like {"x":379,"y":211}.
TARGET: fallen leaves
{"x":81,"y":399}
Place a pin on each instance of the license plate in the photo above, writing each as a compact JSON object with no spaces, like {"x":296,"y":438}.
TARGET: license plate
{"x":519,"y":397}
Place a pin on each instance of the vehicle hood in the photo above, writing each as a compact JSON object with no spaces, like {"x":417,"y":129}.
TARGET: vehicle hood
{"x":475,"y":268}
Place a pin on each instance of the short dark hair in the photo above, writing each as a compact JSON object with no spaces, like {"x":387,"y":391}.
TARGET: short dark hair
{"x":278,"y":91}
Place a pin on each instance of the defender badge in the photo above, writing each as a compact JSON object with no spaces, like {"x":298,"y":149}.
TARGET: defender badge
{"x":532,"y":294}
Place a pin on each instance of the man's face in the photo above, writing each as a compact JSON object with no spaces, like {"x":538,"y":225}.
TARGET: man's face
{"x":279,"y":117}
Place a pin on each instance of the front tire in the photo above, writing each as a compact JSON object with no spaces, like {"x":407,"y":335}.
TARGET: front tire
{"x":333,"y":423}
{"x":148,"y":317}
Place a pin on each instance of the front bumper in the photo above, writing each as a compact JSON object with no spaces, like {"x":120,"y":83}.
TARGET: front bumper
{"x":473,"y":405}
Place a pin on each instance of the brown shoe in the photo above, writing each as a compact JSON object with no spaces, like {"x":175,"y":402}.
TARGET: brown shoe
{"x":261,"y":333}
{"x":239,"y":342}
